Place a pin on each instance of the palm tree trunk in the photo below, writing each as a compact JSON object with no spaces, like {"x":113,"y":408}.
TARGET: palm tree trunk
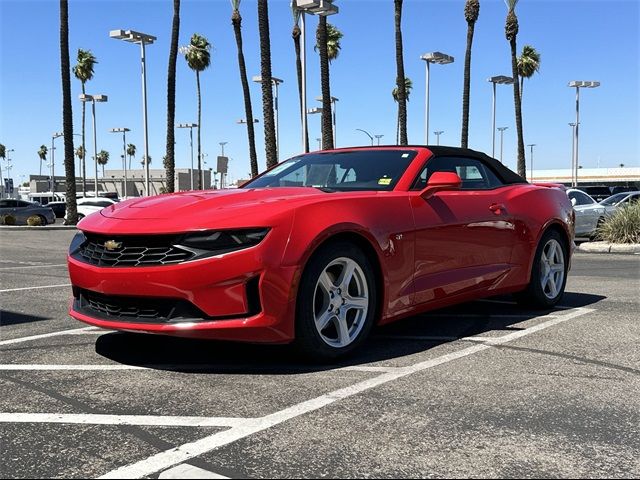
{"x":267,"y":88}
{"x":199,"y":128}
{"x":464,"y":141}
{"x":103,"y":170}
{"x":170,"y":163}
{"x":522,"y":167}
{"x":398,"y":127}
{"x":67,"y":115}
{"x":84,"y":150}
{"x":400,"y":76}
{"x":296,"y":43}
{"x":325,"y":82}
{"x":521,"y":88}
{"x":236,"y":20}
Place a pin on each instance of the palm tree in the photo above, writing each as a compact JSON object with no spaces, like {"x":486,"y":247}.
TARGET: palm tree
{"x":295,"y":34}
{"x":401,"y":96}
{"x":322,"y":43}
{"x":103,"y":158}
{"x":131,"y":151}
{"x":236,"y":21}
{"x":267,"y":87}
{"x":3,"y":151}
{"x":395,"y":93}
{"x":42,"y":154}
{"x":80,"y":153}
{"x":83,"y":71}
{"x":528,"y":64}
{"x":511,"y":32}
{"x":333,"y":42}
{"x":144,"y":159}
{"x":198,"y":56}
{"x":171,"y":97}
{"x":471,"y":13}
{"x":67,"y":116}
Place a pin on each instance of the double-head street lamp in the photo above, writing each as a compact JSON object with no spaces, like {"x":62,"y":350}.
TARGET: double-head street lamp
{"x":437,"y":134}
{"x":53,"y":163}
{"x":93,"y":99}
{"x":142,"y":39}
{"x":243,"y":121}
{"x":531,"y":175}
{"x":497,"y":80}
{"x":440,"y":59}
{"x":124,"y":131}
{"x":333,"y":117}
{"x":275,"y":82}
{"x":577,"y":84}
{"x":501,"y":129}
{"x":314,"y":7}
{"x":190,"y":126}
{"x":378,"y":137}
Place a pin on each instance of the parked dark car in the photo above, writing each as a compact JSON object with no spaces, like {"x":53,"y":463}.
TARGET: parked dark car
{"x":597,"y":192}
{"x":22,"y":210}
{"x":59,"y":208}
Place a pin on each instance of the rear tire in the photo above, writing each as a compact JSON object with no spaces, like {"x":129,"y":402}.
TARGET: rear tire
{"x":336,"y":303}
{"x":548,"y":273}
{"x":43,"y":220}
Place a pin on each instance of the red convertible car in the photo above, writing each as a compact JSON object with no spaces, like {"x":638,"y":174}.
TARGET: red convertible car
{"x":322,"y":247}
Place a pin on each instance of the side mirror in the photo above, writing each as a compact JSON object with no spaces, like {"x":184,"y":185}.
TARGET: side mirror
{"x":441,"y":181}
{"x":574,"y":201}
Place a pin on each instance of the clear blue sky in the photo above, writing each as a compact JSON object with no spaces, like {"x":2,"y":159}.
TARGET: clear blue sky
{"x":578,"y":40}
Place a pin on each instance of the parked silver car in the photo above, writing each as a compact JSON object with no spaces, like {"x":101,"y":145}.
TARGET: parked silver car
{"x":618,"y":200}
{"x":21,"y":210}
{"x":589,"y":213}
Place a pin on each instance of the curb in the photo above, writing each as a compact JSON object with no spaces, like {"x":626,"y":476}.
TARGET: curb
{"x":20,"y":228}
{"x":604,"y":247}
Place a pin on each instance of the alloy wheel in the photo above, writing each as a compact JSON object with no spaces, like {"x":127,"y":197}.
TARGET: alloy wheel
{"x":552,"y":269}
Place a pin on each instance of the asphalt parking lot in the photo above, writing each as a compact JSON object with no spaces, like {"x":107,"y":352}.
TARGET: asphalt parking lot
{"x":484,"y":389}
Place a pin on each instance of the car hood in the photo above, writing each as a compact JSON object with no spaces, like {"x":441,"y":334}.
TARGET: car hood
{"x":202,"y":210}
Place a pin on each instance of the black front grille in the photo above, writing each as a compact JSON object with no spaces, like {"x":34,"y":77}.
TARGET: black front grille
{"x":138,"y":309}
{"x":132,"y":251}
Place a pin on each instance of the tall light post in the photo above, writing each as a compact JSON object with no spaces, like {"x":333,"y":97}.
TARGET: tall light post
{"x":319,"y":140}
{"x":313,"y":7}
{"x":501,"y":129}
{"x":574,"y":179}
{"x":93,"y":99}
{"x":378,"y":137}
{"x":53,"y":162}
{"x":275,"y":82}
{"x":577,"y":84}
{"x":190,"y":126}
{"x":333,"y":117}
{"x":441,"y":59}
{"x":8,"y":169}
{"x":124,"y":131}
{"x":497,"y":80}
{"x":143,"y":39}
{"x":437,"y":134}
{"x":531,"y":145}
{"x":367,"y":133}
{"x":314,"y":111}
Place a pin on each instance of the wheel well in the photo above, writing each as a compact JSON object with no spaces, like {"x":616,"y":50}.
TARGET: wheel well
{"x":558,"y":228}
{"x":363,"y":244}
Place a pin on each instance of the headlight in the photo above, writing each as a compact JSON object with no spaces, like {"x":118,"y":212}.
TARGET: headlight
{"x":222,"y":241}
{"x":77,"y":242}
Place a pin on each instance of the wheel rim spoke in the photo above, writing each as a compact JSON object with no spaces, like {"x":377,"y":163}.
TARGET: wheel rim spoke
{"x":326,"y":283}
{"x":323,"y":320}
{"x":358,"y":303}
{"x":343,"y":330}
{"x":346,"y":276}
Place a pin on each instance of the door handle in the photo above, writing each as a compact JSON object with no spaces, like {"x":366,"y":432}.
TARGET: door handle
{"x":498,"y":208}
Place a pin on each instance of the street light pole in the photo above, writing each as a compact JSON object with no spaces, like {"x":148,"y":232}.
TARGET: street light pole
{"x":437,"y":134}
{"x":502,"y":129}
{"x":502,"y":80}
{"x":368,"y":134}
{"x":124,"y":131}
{"x":577,"y":84}
{"x":53,"y":163}
{"x":93,"y":99}
{"x":378,"y":137}
{"x":333,"y":117}
{"x":431,"y":57}
{"x":143,"y":39}
{"x":574,"y":180}
{"x":190,"y":126}
{"x":531,"y":145}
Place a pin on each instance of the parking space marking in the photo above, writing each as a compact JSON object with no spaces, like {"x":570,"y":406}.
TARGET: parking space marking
{"x":174,"y":456}
{"x":35,"y":266}
{"x":34,"y":288}
{"x":73,"y":331}
{"x":138,"y":420}
{"x":188,"y":471}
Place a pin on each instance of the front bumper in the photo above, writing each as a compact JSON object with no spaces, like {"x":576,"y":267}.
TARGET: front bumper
{"x":219,"y":288}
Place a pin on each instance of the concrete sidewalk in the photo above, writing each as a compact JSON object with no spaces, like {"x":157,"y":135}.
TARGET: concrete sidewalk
{"x":605,"y":247}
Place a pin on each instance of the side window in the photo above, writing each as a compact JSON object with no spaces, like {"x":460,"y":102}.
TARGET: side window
{"x":7,"y":203}
{"x":21,"y":204}
{"x":582,"y":199}
{"x":474,"y":173}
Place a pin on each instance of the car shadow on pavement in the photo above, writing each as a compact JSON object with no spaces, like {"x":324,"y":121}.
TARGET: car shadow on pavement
{"x":14,"y":318}
{"x":410,"y":336}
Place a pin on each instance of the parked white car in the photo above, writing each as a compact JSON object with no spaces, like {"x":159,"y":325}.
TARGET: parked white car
{"x":618,"y":200}
{"x":589,"y":213}
{"x":89,"y":205}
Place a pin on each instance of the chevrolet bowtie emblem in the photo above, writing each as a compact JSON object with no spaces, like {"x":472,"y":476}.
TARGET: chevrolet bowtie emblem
{"x":112,"y":245}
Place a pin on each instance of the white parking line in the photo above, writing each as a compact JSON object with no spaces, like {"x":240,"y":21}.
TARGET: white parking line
{"x":34,"y":288}
{"x":35,"y":266}
{"x":139,"y":420}
{"x":188,"y":471}
{"x":174,"y":456}
{"x":73,"y":331}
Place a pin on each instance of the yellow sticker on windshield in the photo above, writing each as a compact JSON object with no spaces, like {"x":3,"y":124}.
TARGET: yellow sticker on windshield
{"x":384,"y":181}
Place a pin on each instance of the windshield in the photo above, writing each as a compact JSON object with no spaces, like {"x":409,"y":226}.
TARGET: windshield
{"x":357,"y":170}
{"x":614,"y":199}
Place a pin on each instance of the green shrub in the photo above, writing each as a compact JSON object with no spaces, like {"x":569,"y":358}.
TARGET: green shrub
{"x":34,"y":221}
{"x":623,"y":226}
{"x":7,"y":219}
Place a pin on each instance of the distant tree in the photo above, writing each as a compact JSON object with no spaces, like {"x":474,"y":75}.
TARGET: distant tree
{"x":3,"y":151}
{"x":528,"y":65}
{"x":131,"y":151}
{"x":401,"y":90}
{"x":295,"y":34}
{"x":395,"y":93}
{"x":103,"y":158}
{"x":471,"y":14}
{"x":42,"y":154}
{"x":270,"y":146}
{"x":83,"y":71}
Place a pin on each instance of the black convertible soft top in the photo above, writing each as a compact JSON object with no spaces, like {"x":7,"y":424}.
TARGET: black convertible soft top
{"x":506,"y":175}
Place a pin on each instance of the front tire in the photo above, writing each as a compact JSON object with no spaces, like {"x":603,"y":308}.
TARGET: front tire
{"x":336,"y":303}
{"x":548,"y":274}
